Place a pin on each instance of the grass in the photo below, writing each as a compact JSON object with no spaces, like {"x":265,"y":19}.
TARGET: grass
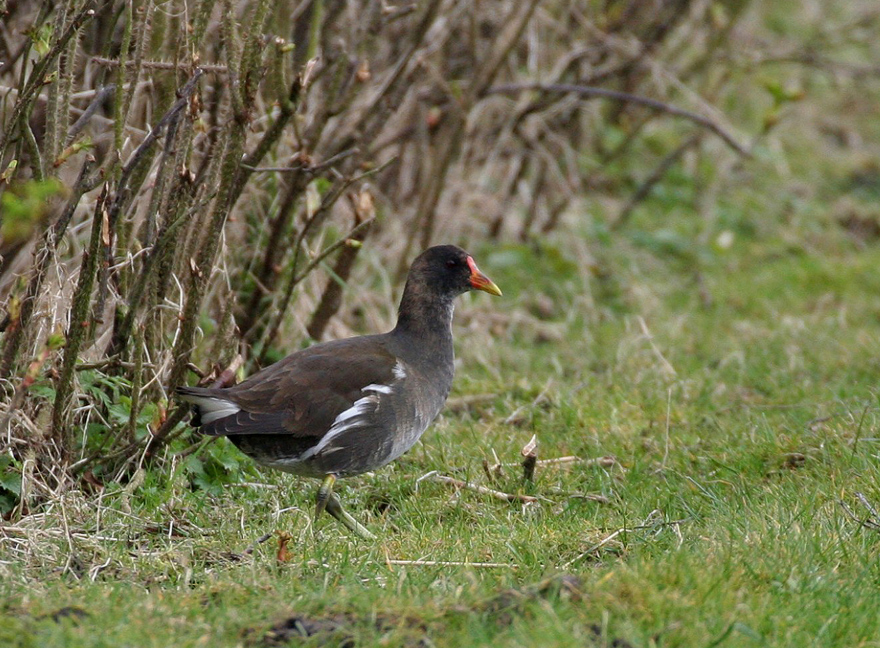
{"x":739,"y":426}
{"x":725,"y":354}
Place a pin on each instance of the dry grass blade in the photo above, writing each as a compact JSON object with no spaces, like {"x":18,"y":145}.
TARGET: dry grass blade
{"x":871,"y":522}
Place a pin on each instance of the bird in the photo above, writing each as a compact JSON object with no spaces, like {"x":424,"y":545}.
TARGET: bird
{"x":345,"y":407}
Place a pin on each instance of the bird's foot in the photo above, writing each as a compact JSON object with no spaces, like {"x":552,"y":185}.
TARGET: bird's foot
{"x":334,"y":508}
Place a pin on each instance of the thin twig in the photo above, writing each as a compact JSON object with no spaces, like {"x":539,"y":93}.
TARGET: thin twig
{"x":263,"y":538}
{"x":611,"y":536}
{"x":308,"y":169}
{"x":664,"y":363}
{"x":603,"y":462}
{"x":855,"y":444}
{"x":591,"y":497}
{"x":162,"y":65}
{"x":594,"y":548}
{"x":540,"y":398}
{"x":656,"y":176}
{"x":650,"y":525}
{"x":506,"y":497}
{"x":295,"y":278}
{"x":448,"y":563}
{"x":868,"y":505}
{"x":332,"y":248}
{"x":655,"y":104}
{"x":298,"y":277}
{"x":247,"y":552}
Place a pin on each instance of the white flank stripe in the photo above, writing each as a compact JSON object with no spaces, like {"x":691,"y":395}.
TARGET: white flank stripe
{"x":354,"y":416}
{"x":359,"y":407}
{"x":350,"y":418}
{"x":379,"y":389}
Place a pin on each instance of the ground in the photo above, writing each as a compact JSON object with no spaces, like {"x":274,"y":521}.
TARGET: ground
{"x":708,"y":371}
{"x":739,"y":406}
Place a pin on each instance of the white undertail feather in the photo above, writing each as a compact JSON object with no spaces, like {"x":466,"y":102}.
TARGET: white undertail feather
{"x":212,"y":408}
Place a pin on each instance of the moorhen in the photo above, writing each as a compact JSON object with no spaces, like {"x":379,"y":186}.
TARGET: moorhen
{"x":345,"y":407}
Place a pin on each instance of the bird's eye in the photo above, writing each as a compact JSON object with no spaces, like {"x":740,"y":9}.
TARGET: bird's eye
{"x":451,"y":263}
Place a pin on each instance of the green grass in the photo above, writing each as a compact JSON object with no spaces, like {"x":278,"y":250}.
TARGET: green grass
{"x":739,"y":427}
{"x":735,"y":384}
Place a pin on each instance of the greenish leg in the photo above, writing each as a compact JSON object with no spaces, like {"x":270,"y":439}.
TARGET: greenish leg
{"x":324,"y":494}
{"x":334,"y":508}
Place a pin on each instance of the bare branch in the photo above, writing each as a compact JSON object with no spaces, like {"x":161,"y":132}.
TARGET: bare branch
{"x":615,"y":95}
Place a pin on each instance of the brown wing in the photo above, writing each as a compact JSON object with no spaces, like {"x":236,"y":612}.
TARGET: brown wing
{"x":302,"y":394}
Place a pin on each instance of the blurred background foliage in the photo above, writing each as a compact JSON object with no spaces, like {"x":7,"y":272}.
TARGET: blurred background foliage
{"x":190,"y":190}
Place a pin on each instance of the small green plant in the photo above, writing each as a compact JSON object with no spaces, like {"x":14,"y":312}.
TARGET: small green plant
{"x":24,"y":208}
{"x":10,"y":484}
{"x":214,"y":466}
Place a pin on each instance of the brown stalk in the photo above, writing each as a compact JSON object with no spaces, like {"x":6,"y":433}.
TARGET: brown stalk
{"x":530,"y":459}
{"x":122,"y":197}
{"x":132,"y":73}
{"x":230,"y":191}
{"x":78,"y":326}
{"x":510,"y":35}
{"x":54,"y":108}
{"x":537,"y":191}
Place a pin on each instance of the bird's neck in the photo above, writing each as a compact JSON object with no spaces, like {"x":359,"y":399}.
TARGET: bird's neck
{"x":425,"y":316}
{"x":429,"y":321}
